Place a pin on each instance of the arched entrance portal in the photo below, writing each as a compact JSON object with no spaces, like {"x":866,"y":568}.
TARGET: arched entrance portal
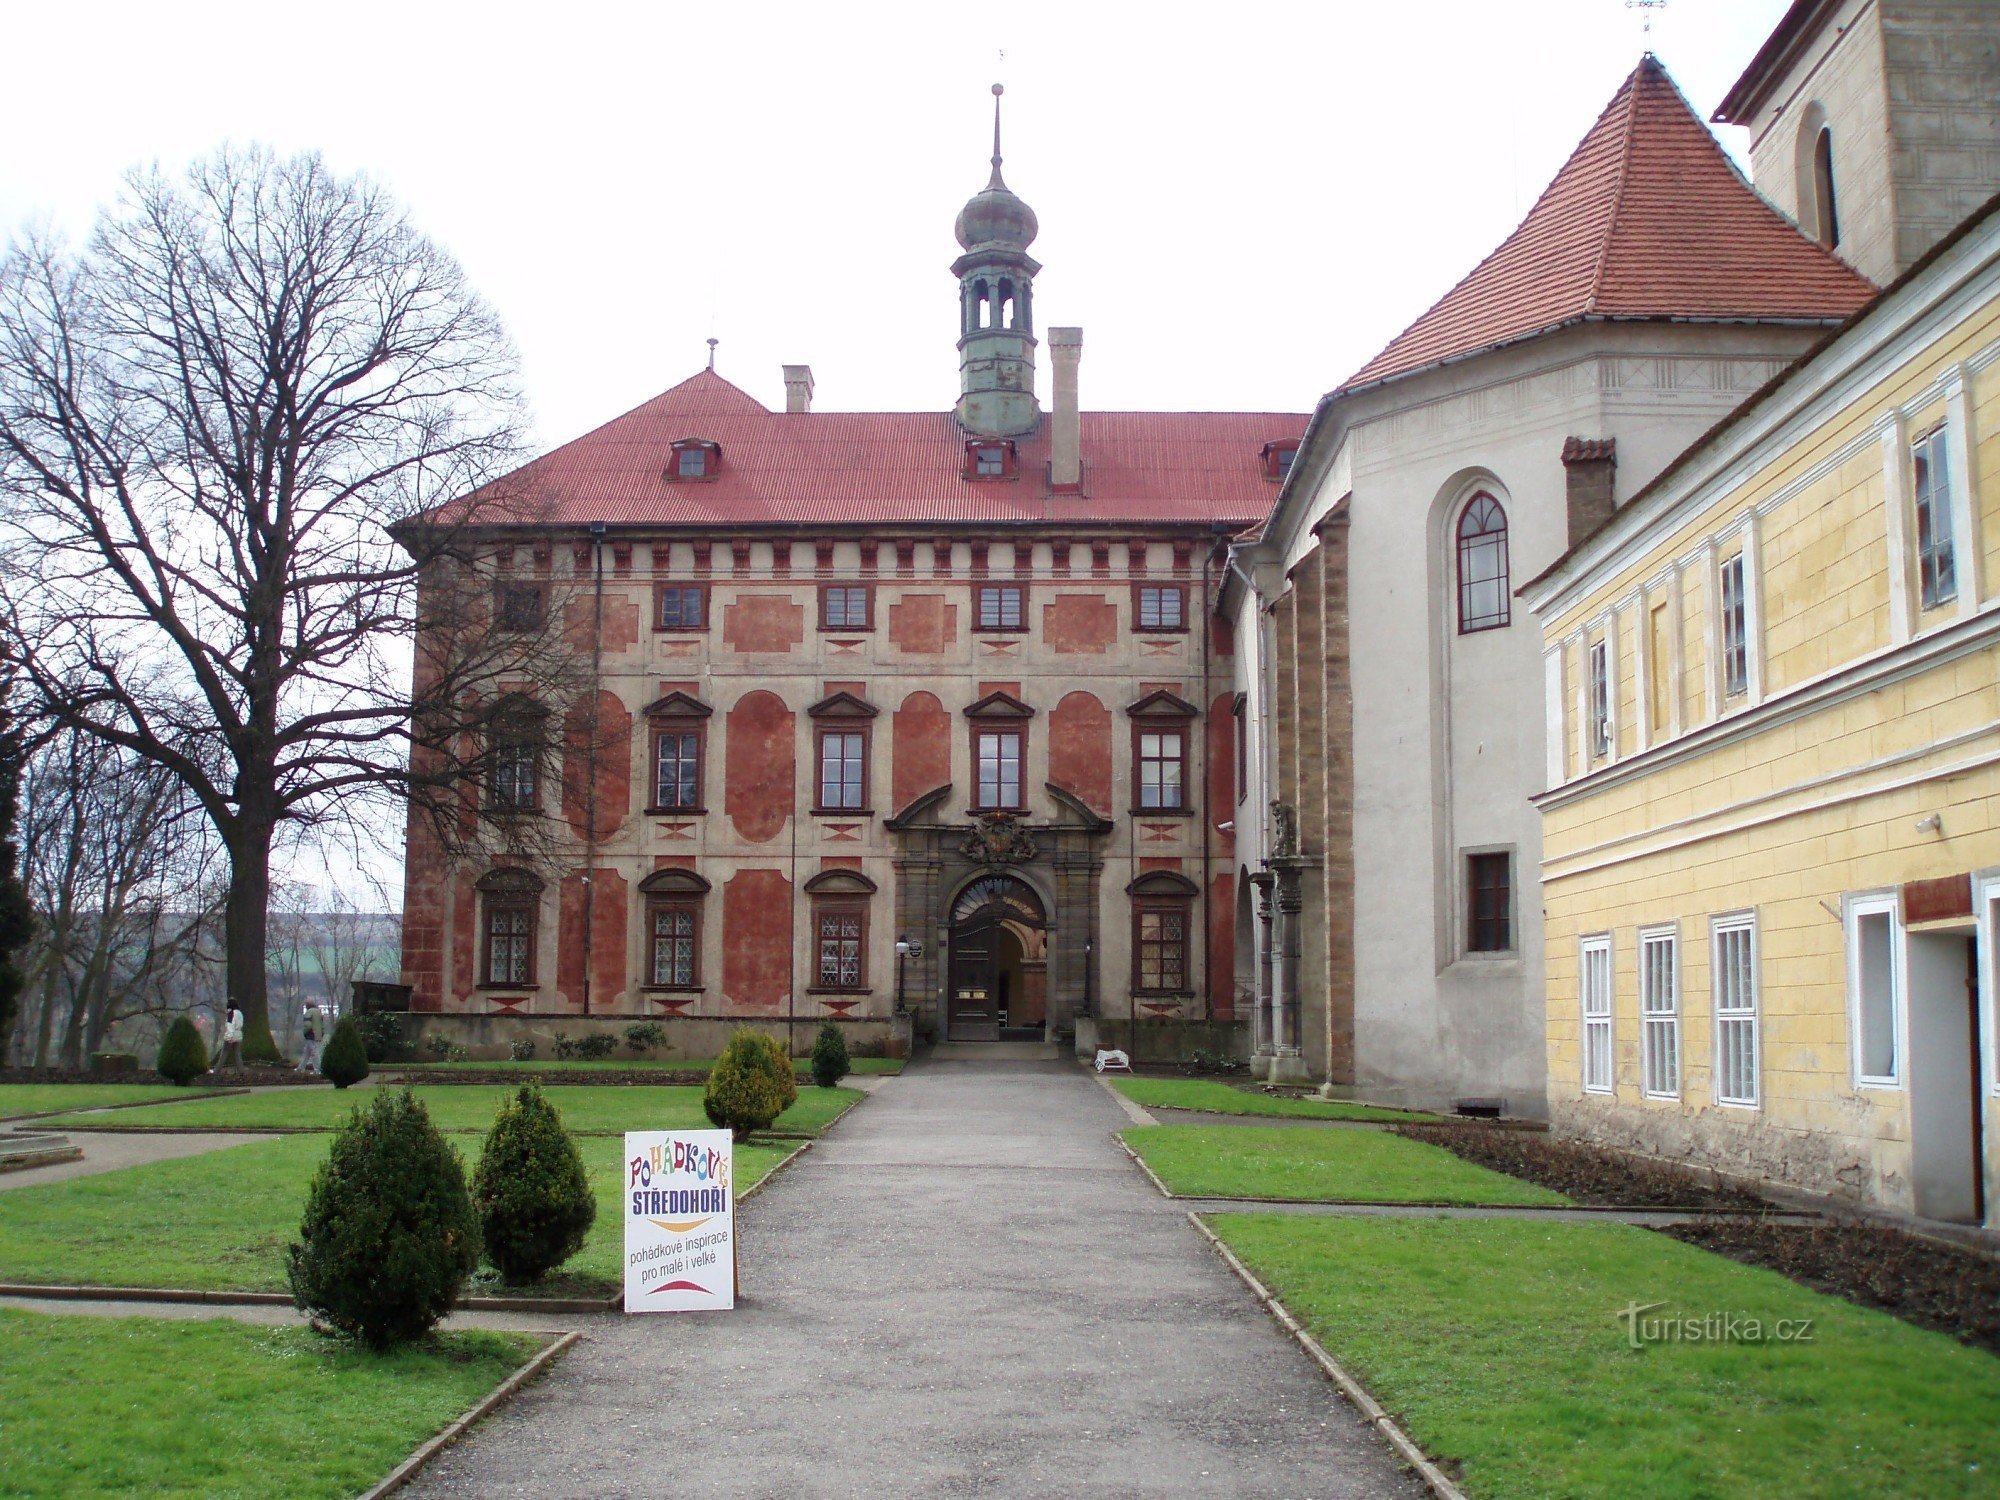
{"x":999,"y":962}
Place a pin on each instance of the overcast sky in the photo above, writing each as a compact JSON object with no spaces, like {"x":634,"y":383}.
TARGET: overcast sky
{"x":1239,"y":203}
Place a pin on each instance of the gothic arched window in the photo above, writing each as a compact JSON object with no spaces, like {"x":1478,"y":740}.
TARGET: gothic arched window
{"x":1482,"y":565}
{"x":1822,"y":164}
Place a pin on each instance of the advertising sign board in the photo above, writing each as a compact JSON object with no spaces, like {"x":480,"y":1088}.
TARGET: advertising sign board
{"x":680,"y":1221}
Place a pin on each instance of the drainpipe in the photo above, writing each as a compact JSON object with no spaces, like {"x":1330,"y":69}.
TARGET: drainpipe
{"x":590,"y":757}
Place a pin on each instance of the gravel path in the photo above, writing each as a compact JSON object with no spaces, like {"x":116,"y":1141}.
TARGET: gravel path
{"x":110,"y":1151}
{"x":965,"y":1288}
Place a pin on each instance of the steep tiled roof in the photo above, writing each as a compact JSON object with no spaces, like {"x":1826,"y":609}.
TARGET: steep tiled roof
{"x":895,"y":467}
{"x":1648,"y":219}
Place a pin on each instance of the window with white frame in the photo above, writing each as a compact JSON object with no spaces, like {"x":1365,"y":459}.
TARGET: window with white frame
{"x":1660,"y":1011}
{"x":1735,"y":630}
{"x":1595,"y":975}
{"x":1733,"y":972}
{"x":1600,"y":699}
{"x":1930,"y":480}
{"x":1875,"y":989}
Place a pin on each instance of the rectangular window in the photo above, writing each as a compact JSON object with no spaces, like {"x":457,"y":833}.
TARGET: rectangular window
{"x":1660,"y":1012}
{"x":1735,"y":630}
{"x":844,"y":606}
{"x":843,"y":769}
{"x":677,"y":770}
{"x":680,"y":606}
{"x":691,"y":462}
{"x":510,"y":943}
{"x":515,"y":763}
{"x":675,"y":960}
{"x":841,"y":932}
{"x":1000,"y":607}
{"x":519,"y":606}
{"x":1162,"y":761}
{"x":989,"y":461}
{"x":1242,"y":748}
{"x":1162,"y":606}
{"x":1734,"y":986}
{"x":999,"y":768}
{"x":1595,"y":975}
{"x":1490,"y":901}
{"x":1875,"y":989}
{"x":1600,"y":699}
{"x":1930,"y":478}
{"x":1162,"y":948}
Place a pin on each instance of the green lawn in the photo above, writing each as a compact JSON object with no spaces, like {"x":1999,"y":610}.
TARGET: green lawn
{"x":126,"y":1406}
{"x":856,"y":1065}
{"x":1344,"y":1166}
{"x":221,"y":1222}
{"x":1222,"y":1099}
{"x":602,"y":1109}
{"x":1497,"y":1344}
{"x":18,"y":1099}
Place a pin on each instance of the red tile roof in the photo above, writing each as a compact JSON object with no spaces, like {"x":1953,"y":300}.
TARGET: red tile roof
{"x":895,"y":467}
{"x":1648,"y":219}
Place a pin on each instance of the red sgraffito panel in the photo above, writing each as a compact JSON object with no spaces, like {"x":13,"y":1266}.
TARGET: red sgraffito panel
{"x":1080,"y":750}
{"x":920,"y":749}
{"x":923,"y":624}
{"x":1079,"y":624}
{"x":605,"y":742}
{"x":1222,"y":946}
{"x":760,"y":753}
{"x":621,"y":621}
{"x":756,"y":942}
{"x":764,"y":622}
{"x":1222,"y":636}
{"x":607,"y":941}
{"x":464,"y":942}
{"x":1222,"y":770}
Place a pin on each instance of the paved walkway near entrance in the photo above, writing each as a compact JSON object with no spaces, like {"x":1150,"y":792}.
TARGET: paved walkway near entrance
{"x":965,"y":1287}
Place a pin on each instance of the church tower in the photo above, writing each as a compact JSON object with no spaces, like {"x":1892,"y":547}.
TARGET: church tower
{"x":996,"y":333}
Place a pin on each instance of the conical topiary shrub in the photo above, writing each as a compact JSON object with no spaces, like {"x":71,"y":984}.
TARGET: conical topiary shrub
{"x":345,"y":1060}
{"x":751,"y":1084}
{"x":829,"y":1056}
{"x":182,"y":1055}
{"x":389,"y":1234}
{"x":533,"y":1198}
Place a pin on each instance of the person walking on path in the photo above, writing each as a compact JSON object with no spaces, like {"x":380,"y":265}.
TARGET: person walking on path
{"x":309,"y":1044}
{"x":232,"y":1037}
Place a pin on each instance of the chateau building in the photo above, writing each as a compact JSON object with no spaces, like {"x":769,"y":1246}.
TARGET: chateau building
{"x":918,"y":720}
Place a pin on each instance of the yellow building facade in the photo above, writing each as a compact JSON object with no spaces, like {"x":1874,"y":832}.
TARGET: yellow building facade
{"x":1771,"y":878}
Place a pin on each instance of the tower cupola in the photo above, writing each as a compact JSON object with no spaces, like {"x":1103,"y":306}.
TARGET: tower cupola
{"x":996,"y":336}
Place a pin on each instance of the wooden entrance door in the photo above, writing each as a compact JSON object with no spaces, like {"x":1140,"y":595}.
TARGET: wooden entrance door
{"x":975,"y":979}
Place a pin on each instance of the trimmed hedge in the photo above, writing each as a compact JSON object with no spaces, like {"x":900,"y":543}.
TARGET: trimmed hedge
{"x":752,"y":1083}
{"x":345,"y":1061}
{"x":829,"y":1056}
{"x":182,"y":1056}
{"x":533,"y":1196}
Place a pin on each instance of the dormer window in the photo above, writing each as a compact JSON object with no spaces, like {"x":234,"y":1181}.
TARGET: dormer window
{"x":1278,"y":457}
{"x":990,"y":460}
{"x":695,"y":458}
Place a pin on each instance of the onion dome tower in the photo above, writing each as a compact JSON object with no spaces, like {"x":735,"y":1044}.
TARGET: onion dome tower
{"x":996,"y":338}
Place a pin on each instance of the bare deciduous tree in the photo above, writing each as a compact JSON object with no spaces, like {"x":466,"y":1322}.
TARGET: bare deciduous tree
{"x":235,"y":432}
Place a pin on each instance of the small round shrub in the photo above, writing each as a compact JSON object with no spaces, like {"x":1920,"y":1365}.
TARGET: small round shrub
{"x":389,"y":1234}
{"x":345,"y":1060}
{"x":438,"y":1045}
{"x":182,"y":1055}
{"x":642,"y":1036}
{"x":751,"y":1084}
{"x":521,"y":1049}
{"x":829,"y":1056}
{"x":534,"y":1201}
{"x":596,"y":1046}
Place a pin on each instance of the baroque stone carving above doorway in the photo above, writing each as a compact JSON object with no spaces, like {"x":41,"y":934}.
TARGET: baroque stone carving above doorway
{"x":998,"y":839}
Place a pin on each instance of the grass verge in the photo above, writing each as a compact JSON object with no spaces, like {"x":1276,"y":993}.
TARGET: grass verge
{"x":221,"y":1221}
{"x":1498,"y":1345}
{"x":1225,"y":1099}
{"x":1320,"y":1166}
{"x":17,"y":1099}
{"x":856,"y":1065}
{"x":585,"y":1110}
{"x":126,"y":1406}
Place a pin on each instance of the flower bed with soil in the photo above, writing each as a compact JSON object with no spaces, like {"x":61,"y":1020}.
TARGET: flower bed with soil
{"x":1584,"y":1173}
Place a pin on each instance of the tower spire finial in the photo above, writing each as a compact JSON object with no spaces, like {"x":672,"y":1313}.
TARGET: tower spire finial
{"x":711,"y":352}
{"x":994,"y":181}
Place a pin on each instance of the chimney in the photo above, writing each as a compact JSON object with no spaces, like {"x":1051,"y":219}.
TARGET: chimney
{"x":798,"y":388}
{"x":1065,"y":445}
{"x":1589,"y":465}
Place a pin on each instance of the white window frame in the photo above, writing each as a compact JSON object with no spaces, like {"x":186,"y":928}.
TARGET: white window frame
{"x":1943,"y":516}
{"x":1736,"y":616}
{"x":1588,"y":947}
{"x":1599,"y":689}
{"x":1856,"y":907}
{"x":1658,"y":1025}
{"x":1719,"y":927}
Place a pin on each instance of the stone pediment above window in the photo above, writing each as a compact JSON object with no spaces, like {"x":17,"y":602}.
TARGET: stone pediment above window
{"x":840,"y":883}
{"x":510,"y":881}
{"x":674,"y":882}
{"x":999,"y":706}
{"x":677,"y":705}
{"x":1163,"y":705}
{"x":842,"y":705}
{"x":1163,"y":883}
{"x":516,"y":708}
